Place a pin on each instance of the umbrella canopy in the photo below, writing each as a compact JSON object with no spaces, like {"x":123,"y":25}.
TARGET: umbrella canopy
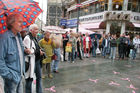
{"x":98,"y":35}
{"x":54,"y":29}
{"x":83,"y":31}
{"x":28,"y":9}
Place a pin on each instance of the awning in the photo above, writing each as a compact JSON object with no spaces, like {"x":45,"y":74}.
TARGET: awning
{"x":136,"y":25}
{"x":91,"y":25}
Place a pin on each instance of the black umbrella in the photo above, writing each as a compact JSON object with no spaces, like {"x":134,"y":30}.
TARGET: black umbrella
{"x":93,"y":35}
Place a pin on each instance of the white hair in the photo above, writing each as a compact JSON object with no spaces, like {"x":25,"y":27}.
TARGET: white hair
{"x":32,"y":26}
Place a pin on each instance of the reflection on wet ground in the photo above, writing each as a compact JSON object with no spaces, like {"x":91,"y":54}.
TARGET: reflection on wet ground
{"x":96,"y":75}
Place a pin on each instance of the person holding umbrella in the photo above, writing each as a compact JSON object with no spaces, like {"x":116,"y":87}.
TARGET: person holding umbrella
{"x":12,"y":55}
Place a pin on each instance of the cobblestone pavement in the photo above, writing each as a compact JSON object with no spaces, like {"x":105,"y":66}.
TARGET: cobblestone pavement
{"x":95,"y":75}
{"x":119,"y":76}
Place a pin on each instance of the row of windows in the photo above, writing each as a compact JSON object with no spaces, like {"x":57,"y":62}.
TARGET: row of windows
{"x":133,"y":5}
{"x":54,"y":14}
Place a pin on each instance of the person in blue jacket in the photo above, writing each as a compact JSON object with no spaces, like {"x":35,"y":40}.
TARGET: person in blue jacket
{"x":12,"y":67}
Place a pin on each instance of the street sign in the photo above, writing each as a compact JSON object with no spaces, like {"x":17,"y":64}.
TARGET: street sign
{"x":72,"y":23}
{"x":78,"y":5}
{"x":63,"y":22}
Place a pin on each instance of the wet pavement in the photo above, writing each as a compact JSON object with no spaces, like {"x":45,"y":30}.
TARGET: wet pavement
{"x":96,"y":75}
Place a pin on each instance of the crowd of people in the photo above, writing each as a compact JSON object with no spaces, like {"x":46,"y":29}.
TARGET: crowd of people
{"x":27,"y":54}
{"x":83,"y":45}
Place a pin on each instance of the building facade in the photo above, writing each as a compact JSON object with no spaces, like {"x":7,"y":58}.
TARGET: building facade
{"x":110,"y":16}
{"x":54,"y":12}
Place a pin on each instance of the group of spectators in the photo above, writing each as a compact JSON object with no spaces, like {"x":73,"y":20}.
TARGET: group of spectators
{"x":27,"y":54}
{"x":83,"y":45}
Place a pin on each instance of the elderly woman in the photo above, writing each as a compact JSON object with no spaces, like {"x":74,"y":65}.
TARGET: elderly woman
{"x":48,"y":45}
{"x":32,"y":59}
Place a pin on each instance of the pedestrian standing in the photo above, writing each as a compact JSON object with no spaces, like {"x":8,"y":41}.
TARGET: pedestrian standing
{"x":57,"y":52}
{"x":105,"y":46}
{"x":136,"y":44}
{"x":33,"y":60}
{"x":95,"y":45}
{"x":122,"y":45}
{"x":113,"y":45}
{"x":65,"y":41}
{"x":48,"y":45}
{"x":87,"y":45}
{"x":127,"y":46}
{"x":12,"y":65}
{"x":72,"y":41}
{"x":79,"y":51}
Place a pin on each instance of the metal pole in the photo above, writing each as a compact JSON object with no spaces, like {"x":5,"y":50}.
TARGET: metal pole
{"x":78,"y":14}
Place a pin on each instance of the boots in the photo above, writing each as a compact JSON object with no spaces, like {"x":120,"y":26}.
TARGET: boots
{"x":50,"y":76}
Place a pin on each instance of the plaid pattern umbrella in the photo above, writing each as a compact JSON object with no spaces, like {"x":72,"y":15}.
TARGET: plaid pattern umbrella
{"x":27,"y":8}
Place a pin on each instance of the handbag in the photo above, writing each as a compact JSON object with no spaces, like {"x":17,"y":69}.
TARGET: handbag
{"x":68,"y":47}
{"x":98,"y":51}
{"x":54,"y":57}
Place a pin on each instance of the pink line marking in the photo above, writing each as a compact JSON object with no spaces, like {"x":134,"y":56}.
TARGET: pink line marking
{"x":127,"y":79}
{"x":51,"y":89}
{"x":132,"y":87}
{"x":95,"y":81}
{"x":133,"y":91}
{"x":114,"y":83}
{"x":116,"y":72}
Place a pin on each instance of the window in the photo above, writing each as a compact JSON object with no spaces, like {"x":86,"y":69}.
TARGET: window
{"x":129,"y":6}
{"x":135,"y":5}
{"x":117,"y":4}
{"x":106,"y":7}
{"x":97,"y":8}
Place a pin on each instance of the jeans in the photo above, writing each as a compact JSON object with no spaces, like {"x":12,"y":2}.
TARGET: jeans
{"x":72,"y":54}
{"x":38,"y":79}
{"x":113,"y":53}
{"x":94,"y":51}
{"x":28,"y":85}
{"x":12,"y":87}
{"x":56,"y":62}
{"x":38,"y":73}
{"x":64,"y":53}
{"x":104,"y":51}
{"x":134,"y":53}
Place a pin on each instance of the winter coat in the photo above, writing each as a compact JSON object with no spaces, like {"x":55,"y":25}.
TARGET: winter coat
{"x":29,"y":43}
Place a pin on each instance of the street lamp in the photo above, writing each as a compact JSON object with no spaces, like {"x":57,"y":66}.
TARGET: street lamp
{"x":78,"y":14}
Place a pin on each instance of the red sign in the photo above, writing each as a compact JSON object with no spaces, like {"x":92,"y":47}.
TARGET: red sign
{"x":78,"y":5}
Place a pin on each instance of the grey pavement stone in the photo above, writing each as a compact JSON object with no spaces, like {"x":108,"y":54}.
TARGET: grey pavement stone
{"x":74,"y":77}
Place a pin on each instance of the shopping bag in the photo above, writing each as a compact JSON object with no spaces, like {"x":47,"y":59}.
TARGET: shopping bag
{"x":98,"y":51}
{"x":68,"y":47}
